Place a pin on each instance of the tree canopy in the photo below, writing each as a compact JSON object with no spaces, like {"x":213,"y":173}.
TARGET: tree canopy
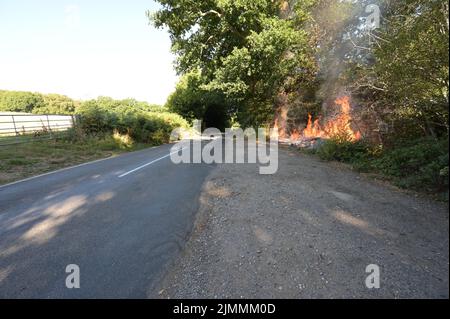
{"x":249,"y":52}
{"x":243,"y":49}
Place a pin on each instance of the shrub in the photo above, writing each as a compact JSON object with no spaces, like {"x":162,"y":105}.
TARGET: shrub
{"x":124,"y":141}
{"x":139,"y":122}
{"x":343,"y":150}
{"x":421,"y":164}
{"x":56,"y":104}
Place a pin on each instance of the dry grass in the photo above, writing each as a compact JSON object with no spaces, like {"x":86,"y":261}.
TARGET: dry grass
{"x":41,"y":156}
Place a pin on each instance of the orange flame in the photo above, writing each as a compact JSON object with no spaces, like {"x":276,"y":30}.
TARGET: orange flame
{"x":313,"y":129}
{"x":280,"y":122}
{"x":339,"y":126}
{"x":281,"y":131}
{"x":295,"y":135}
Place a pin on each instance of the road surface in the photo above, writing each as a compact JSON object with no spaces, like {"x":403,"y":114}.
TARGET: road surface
{"x":308,"y":231}
{"x":121,"y":220}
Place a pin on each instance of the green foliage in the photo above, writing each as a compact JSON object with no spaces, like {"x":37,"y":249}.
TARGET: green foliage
{"x":37,"y":103}
{"x":192,"y":102}
{"x":408,"y":81}
{"x":244,"y":49}
{"x":16,"y":101}
{"x":139,"y":121}
{"x":398,"y":76}
{"x":203,"y":32}
{"x":420,"y":165}
{"x":343,"y":150}
{"x":56,"y":104}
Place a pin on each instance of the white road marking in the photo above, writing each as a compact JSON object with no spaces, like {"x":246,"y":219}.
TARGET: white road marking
{"x":65,"y":169}
{"x":150,"y":163}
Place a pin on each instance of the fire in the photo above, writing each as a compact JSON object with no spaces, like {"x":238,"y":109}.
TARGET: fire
{"x":280,"y":122}
{"x":281,"y":132}
{"x":338,"y":126}
{"x":295,"y":135}
{"x":313,"y":129}
{"x":341,"y":125}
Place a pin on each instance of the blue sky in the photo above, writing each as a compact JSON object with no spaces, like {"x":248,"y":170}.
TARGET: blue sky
{"x":85,"y":49}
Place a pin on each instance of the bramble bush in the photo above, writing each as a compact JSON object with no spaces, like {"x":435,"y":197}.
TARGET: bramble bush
{"x":105,"y":115}
{"x":418,"y":164}
{"x":343,"y":150}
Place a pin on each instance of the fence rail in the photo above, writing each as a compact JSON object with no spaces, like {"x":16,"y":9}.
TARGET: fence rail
{"x":24,"y":128}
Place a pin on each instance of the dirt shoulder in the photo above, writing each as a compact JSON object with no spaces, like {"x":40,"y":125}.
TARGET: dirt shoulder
{"x":310,"y":231}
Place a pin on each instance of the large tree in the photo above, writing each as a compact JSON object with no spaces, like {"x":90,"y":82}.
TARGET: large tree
{"x":192,"y":102}
{"x":407,"y":85}
{"x":245,"y":49}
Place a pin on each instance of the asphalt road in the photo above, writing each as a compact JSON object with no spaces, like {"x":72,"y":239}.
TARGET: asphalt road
{"x":121,"y":220}
{"x":308,"y":231}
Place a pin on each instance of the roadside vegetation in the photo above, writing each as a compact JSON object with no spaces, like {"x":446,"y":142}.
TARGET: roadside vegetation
{"x":419,"y":165}
{"x":253,"y":60}
{"x":104,"y":127}
{"x":140,"y":122}
{"x":29,"y":159}
{"x":244,"y":62}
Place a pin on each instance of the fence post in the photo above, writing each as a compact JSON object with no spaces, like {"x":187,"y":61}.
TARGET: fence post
{"x":49,"y":128}
{"x":15,"y":128}
{"x":14,"y":122}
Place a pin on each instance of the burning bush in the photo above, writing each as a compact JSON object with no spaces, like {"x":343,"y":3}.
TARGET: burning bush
{"x":338,"y":127}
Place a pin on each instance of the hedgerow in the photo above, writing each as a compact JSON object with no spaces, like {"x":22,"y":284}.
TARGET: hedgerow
{"x":143,"y":125}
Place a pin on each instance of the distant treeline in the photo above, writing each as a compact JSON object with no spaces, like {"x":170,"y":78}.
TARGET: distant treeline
{"x":141,"y":121}
{"x":38,"y":103}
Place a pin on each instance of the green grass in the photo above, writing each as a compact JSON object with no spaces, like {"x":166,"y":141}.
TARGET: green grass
{"x":44,"y":155}
{"x":417,"y":164}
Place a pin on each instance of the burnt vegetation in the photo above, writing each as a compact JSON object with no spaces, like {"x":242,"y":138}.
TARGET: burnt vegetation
{"x":278,"y":63}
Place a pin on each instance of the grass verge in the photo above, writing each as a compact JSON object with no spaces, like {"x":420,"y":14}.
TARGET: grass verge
{"x":45,"y":155}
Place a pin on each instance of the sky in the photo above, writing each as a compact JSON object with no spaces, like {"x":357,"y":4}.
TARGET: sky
{"x":85,"y":49}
